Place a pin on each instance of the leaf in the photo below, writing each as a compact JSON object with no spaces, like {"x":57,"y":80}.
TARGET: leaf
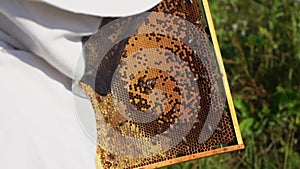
{"x":246,"y":125}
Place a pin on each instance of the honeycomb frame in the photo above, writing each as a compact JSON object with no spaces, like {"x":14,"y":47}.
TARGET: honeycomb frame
{"x":107,"y":160}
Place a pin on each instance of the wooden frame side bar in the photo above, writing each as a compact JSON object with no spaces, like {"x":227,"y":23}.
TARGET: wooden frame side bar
{"x":222,"y":69}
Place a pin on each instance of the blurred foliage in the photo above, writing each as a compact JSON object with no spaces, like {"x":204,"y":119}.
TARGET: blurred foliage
{"x":260,"y":44}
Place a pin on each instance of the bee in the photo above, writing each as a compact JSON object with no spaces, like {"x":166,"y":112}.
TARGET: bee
{"x":106,"y":119}
{"x":147,"y":90}
{"x":122,"y":123}
{"x":182,"y":2}
{"x":151,"y":82}
{"x":141,"y":82}
{"x":203,"y":77}
{"x":167,"y":11}
{"x":110,"y":157}
{"x":146,"y":86}
{"x":213,"y":88}
{"x":226,"y":113}
{"x":209,"y":128}
{"x":190,"y":1}
{"x":159,"y":129}
{"x":99,"y":97}
{"x":153,"y":141}
{"x":177,"y":107}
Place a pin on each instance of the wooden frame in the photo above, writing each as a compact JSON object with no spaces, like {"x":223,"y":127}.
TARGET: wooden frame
{"x":240,"y":145}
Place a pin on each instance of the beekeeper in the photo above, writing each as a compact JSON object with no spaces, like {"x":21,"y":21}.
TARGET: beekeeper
{"x":40,"y":46}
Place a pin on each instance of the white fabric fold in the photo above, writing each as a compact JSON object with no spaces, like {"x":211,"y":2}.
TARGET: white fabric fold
{"x":110,"y":8}
{"x":53,"y":34}
{"x":38,"y":122}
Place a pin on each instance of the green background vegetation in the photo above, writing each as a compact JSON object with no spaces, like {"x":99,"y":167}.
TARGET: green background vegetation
{"x":260,"y":44}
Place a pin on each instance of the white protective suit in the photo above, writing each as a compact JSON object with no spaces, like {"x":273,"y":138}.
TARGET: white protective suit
{"x":40,"y":45}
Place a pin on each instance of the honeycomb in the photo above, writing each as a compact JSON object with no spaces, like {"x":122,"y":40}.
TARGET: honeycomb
{"x":155,"y":96}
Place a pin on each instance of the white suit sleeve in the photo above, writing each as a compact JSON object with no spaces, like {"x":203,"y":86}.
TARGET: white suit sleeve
{"x":51,"y":33}
{"x":109,"y":8}
{"x":39,"y":128}
{"x":55,"y":34}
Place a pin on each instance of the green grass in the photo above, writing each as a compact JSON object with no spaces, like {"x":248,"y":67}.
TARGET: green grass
{"x":260,"y":44}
